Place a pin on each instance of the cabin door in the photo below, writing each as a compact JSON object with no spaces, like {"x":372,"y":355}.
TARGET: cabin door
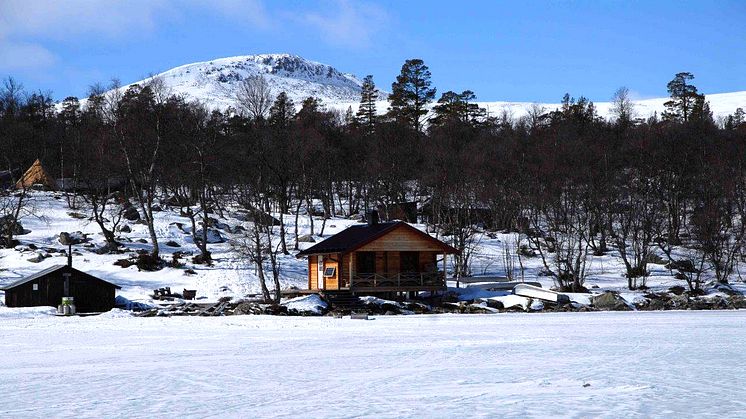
{"x":320,"y":271}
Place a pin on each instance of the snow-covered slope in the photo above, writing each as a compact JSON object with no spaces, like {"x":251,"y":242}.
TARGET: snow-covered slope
{"x":215,"y":82}
{"x":233,"y":275}
{"x":721,"y":104}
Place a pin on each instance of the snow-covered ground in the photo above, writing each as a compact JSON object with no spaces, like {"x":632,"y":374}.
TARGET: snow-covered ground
{"x":610,"y":364}
{"x":232,"y":275}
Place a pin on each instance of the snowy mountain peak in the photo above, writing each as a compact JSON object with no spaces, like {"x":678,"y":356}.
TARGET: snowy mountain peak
{"x":215,"y":82}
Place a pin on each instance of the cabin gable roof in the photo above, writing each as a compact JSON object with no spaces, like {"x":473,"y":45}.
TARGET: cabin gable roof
{"x":358,"y":236}
{"x":50,"y":270}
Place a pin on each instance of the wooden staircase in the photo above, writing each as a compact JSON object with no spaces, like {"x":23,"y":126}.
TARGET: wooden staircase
{"x":343,"y":300}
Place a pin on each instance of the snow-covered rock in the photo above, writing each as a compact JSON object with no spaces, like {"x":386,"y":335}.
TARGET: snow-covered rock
{"x":75,"y":237}
{"x":213,"y":236}
{"x":307,"y":305}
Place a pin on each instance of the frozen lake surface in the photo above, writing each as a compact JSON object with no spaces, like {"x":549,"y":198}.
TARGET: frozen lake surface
{"x":611,"y":364}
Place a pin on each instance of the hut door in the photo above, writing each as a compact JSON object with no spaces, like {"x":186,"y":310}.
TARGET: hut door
{"x":320,"y":269}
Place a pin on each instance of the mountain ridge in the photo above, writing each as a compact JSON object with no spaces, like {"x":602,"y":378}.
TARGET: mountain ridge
{"x":215,"y":82}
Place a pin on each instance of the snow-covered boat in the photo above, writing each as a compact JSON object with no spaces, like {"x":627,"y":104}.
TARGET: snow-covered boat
{"x":500,"y":286}
{"x":531,"y":291}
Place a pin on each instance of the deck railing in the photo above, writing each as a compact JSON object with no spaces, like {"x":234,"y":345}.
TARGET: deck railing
{"x":406,"y":279}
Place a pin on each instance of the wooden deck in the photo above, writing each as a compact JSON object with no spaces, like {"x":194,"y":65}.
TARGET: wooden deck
{"x":430,"y":288}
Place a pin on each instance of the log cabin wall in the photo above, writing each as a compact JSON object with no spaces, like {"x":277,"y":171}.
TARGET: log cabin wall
{"x":332,"y":261}
{"x":313,"y":277}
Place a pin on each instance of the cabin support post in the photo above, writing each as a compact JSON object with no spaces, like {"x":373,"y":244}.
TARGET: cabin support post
{"x":350,"y":269}
{"x":445,"y":274}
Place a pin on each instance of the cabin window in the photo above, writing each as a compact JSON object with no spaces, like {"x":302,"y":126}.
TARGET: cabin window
{"x":366,"y":262}
{"x":409,"y":261}
{"x":35,"y":287}
{"x":329,"y":272}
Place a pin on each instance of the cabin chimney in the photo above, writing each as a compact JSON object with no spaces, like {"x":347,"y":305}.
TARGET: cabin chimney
{"x":69,"y":255}
{"x":372,"y":218}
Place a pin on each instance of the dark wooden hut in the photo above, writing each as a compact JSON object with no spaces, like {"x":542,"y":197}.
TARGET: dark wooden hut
{"x":404,"y":211}
{"x":47,"y":287}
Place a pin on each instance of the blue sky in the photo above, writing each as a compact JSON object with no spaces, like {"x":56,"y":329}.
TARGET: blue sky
{"x":518,"y":51}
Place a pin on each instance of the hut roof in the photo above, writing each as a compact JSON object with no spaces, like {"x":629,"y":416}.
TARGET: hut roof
{"x":36,"y":175}
{"x":49,"y":270}
{"x":357,"y":236}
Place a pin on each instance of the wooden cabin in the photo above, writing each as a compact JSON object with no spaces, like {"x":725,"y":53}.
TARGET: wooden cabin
{"x":378,"y":257}
{"x":47,"y":287}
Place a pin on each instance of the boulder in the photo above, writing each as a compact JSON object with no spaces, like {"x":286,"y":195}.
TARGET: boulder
{"x":125,"y":229}
{"x":213,"y":236}
{"x":495,"y":304}
{"x":679,"y":302}
{"x":124,"y":263}
{"x":172,"y":243}
{"x":677,"y":290}
{"x":726,"y":288}
{"x":38,"y":258}
{"x":655,"y":259}
{"x":214,"y":222}
{"x":737,"y":301}
{"x":306,"y":238}
{"x":656,"y":304}
{"x":308,"y":305}
{"x":5,"y":224}
{"x":609,"y":301}
{"x":682,"y":265}
{"x":131,"y":214}
{"x":76,"y":237}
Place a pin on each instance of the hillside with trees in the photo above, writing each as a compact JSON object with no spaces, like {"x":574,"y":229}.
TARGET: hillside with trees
{"x":571,"y":184}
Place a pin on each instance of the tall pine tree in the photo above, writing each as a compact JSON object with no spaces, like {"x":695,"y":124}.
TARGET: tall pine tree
{"x":282,"y":111}
{"x":684,"y":98}
{"x":366,"y":113}
{"x":410,"y":94}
